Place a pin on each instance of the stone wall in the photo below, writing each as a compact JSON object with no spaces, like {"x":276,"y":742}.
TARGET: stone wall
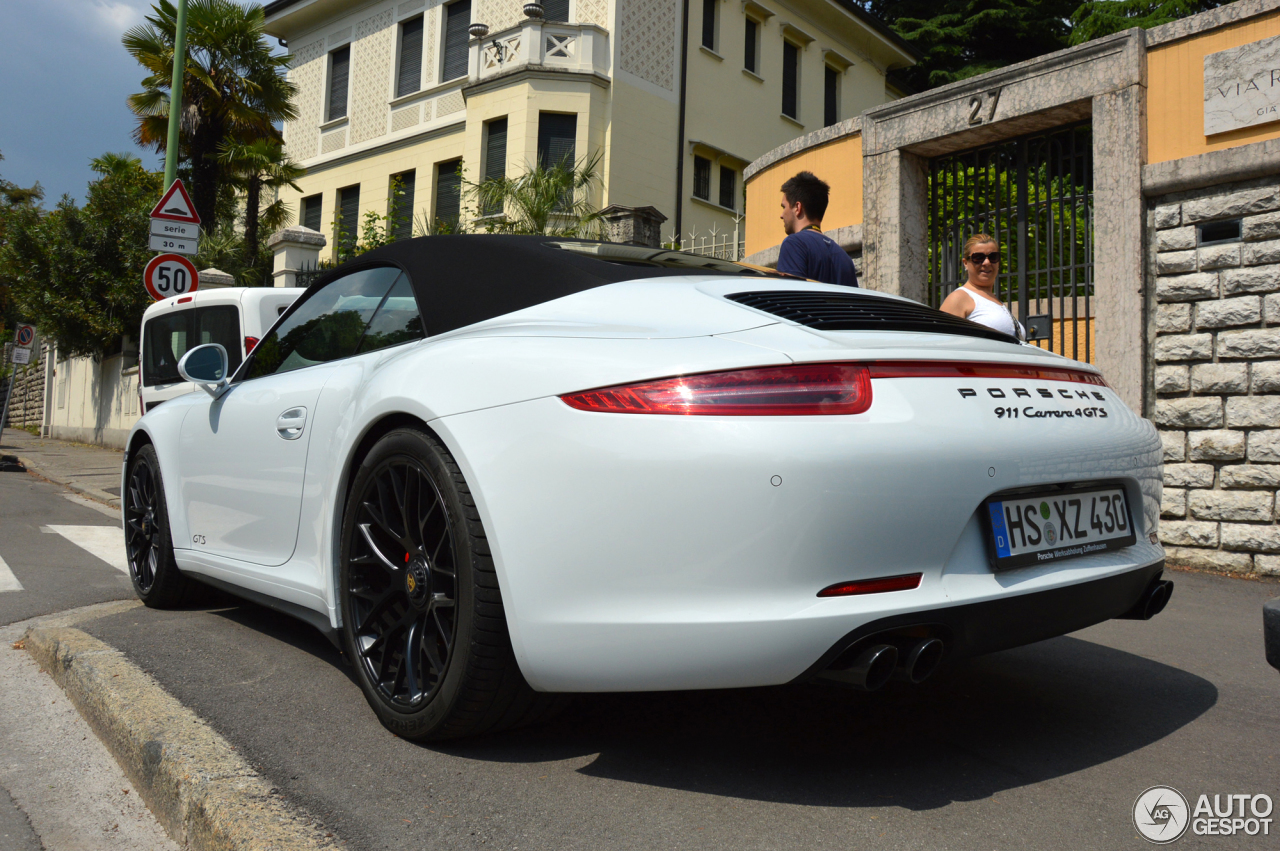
{"x":1215,"y":343}
{"x":26,"y":408}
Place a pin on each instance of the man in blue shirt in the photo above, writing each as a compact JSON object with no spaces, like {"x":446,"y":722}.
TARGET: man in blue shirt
{"x":806,"y":253}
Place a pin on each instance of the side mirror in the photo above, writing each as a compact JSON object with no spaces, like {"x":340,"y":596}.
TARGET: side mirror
{"x":206,"y":367}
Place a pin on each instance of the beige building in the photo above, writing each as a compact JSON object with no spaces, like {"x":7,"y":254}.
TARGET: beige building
{"x":426,"y":91}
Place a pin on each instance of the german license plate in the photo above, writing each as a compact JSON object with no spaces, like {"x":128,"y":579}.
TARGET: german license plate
{"x":1057,"y":525}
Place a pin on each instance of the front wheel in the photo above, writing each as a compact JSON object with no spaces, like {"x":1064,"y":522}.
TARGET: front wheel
{"x":147,"y":542}
{"x":422,"y":614}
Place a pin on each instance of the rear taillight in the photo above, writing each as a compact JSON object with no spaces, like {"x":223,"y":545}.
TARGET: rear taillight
{"x":794,"y":390}
{"x":966,"y":369}
{"x":249,"y":343}
{"x":905,"y":582}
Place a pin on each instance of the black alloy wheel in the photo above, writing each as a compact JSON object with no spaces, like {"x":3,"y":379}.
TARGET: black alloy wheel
{"x":422,"y":616}
{"x":148,"y":546}
{"x":402,"y":584}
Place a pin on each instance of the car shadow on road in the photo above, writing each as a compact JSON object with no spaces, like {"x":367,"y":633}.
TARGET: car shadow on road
{"x":978,"y":728}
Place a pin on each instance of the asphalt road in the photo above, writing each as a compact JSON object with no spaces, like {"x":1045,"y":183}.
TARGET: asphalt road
{"x":1046,"y":746}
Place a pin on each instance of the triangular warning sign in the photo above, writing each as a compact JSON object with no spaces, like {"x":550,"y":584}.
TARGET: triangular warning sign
{"x":176,"y":206}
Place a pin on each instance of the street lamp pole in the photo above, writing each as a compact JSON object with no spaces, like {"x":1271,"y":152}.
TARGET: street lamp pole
{"x":175,"y":95}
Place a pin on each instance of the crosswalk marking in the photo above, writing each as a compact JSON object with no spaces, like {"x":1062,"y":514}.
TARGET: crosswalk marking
{"x":8,"y":582}
{"x":105,"y":542}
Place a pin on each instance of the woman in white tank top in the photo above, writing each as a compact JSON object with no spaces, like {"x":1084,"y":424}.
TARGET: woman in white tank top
{"x":976,"y":300}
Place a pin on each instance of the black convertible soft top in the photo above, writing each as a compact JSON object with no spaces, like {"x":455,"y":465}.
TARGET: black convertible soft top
{"x":462,"y":280}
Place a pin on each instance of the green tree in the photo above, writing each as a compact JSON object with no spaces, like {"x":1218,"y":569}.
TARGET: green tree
{"x":254,"y":167}
{"x":13,"y":199}
{"x":1096,"y":18}
{"x":234,"y":90}
{"x":77,"y":271}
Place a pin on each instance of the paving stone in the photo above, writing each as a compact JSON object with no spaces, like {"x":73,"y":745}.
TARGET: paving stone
{"x":1259,"y":343}
{"x":1245,"y":310}
{"x":1175,"y":445}
{"x":1188,"y":475}
{"x":1189,"y":533}
{"x":1173,"y":263}
{"x":1251,"y":279}
{"x":1258,"y":253}
{"x":1219,"y":560}
{"x":1254,"y":412}
{"x":1184,"y":347}
{"x":1169,"y":216}
{"x":1173,"y":503}
{"x":1216,"y":445}
{"x":1216,"y":256}
{"x":1243,"y":202}
{"x":1173,"y":379}
{"x":1264,"y":447}
{"x":1216,"y":377}
{"x":1176,"y":318}
{"x":1176,"y":239}
{"x":1205,"y":412}
{"x":1265,"y":377}
{"x":1249,"y":537}
{"x":1265,"y":226}
{"x":1195,"y":287}
{"x":1230,"y":505}
{"x":1250,"y":476}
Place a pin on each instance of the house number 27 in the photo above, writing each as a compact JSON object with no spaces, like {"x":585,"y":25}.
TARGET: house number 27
{"x":976,"y":104}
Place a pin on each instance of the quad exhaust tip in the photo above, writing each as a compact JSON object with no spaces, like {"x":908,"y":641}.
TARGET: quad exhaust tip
{"x":1152,"y":601}
{"x":920,"y":661}
{"x":893,"y":657}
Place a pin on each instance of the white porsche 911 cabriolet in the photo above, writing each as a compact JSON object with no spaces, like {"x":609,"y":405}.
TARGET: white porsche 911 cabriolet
{"x":498,"y":469}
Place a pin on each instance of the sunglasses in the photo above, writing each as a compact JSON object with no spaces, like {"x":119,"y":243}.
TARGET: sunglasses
{"x":977,"y":258}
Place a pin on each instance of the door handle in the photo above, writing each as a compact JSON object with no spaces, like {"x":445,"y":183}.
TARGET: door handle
{"x":290,"y":424}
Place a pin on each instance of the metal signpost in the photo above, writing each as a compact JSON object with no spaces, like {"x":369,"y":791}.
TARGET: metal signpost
{"x":23,"y":340}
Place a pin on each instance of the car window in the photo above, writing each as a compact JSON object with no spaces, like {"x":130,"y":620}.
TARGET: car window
{"x":167,"y":338}
{"x":397,"y":320}
{"x":325,"y":327}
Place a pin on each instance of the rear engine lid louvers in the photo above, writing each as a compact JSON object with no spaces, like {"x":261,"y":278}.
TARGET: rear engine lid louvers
{"x":828,"y":311}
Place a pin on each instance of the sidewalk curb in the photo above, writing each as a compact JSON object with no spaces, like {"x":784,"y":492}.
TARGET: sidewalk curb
{"x":202,"y":792}
{"x":83,"y":490}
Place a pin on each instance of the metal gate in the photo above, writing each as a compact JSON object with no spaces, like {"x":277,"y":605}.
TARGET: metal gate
{"x":1035,"y":195}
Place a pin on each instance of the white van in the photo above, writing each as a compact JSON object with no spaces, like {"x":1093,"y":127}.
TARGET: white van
{"x":236,"y":317}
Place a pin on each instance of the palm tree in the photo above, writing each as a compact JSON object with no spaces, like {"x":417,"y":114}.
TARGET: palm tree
{"x":113,"y":164}
{"x":253,"y":167}
{"x":233,"y":88}
{"x":555,"y":201}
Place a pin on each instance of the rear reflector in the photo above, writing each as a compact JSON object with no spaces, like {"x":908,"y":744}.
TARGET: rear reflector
{"x":872,"y":586}
{"x":965,"y":369}
{"x":184,"y":300}
{"x":793,"y":390}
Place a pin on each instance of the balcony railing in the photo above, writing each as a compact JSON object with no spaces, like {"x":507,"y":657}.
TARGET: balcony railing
{"x":582,"y":48}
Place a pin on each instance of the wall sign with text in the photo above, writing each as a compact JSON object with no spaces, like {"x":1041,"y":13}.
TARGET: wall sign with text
{"x":1242,"y":86}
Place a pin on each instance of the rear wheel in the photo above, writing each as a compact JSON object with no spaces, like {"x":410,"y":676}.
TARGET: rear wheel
{"x":422,"y":615}
{"x":148,"y":545}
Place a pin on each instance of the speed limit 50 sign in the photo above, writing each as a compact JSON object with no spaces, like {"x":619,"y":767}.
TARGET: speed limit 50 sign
{"x":169,"y":275}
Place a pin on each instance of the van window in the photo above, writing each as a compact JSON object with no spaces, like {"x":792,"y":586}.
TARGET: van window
{"x":167,"y":338}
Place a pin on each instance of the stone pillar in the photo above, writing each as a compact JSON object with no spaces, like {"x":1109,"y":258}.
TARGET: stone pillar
{"x":634,"y":225}
{"x":294,"y":248}
{"x":1119,"y":150}
{"x":895,"y":227}
{"x":212,"y":279}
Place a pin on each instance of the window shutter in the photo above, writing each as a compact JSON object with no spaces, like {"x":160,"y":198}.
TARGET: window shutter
{"x":339,"y":68}
{"x":749,"y":49}
{"x":457,"y":19}
{"x":449,"y":192}
{"x":495,"y":149}
{"x":311,"y":212}
{"x":557,"y":136}
{"x":728,"y":187}
{"x":790,"y":58}
{"x":402,"y":206}
{"x":556,"y":11}
{"x":830,"y":89}
{"x":409,"y":77}
{"x":702,"y":178}
{"x":349,"y":214}
{"x":709,"y":24}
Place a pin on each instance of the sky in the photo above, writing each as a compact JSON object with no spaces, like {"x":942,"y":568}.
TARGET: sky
{"x":64,"y":77}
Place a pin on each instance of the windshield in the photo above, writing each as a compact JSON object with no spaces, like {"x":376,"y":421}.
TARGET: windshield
{"x":662,"y":258}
